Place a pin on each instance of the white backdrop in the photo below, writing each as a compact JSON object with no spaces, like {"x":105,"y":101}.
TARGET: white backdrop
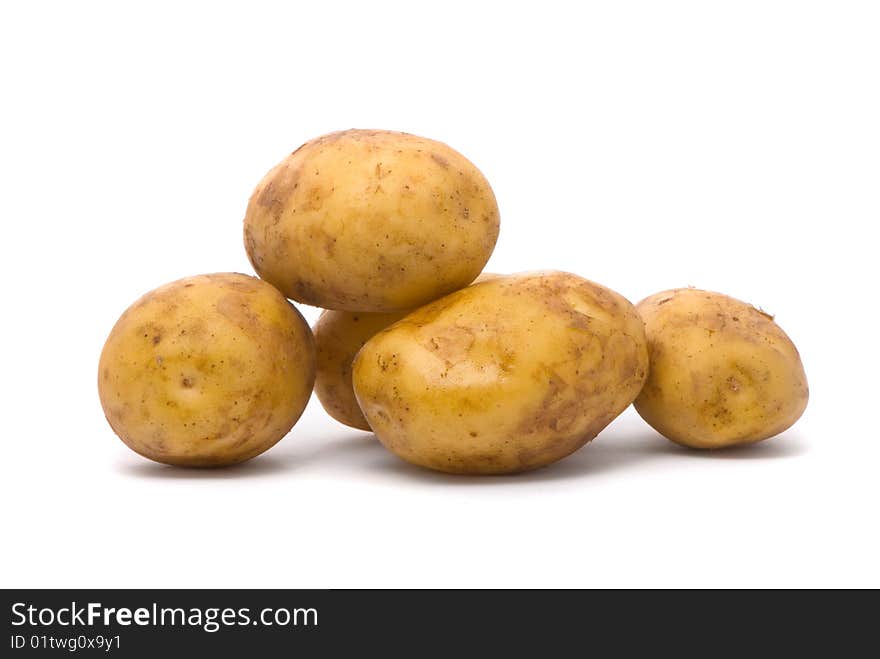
{"x":644,"y":145}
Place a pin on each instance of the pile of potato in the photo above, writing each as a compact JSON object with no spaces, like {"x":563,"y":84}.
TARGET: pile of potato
{"x":452,"y":370}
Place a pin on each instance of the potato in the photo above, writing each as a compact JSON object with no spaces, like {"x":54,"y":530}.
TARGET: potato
{"x":722,"y":372}
{"x":371,"y":220}
{"x":207,"y":371}
{"x":338,"y":337}
{"x":503,"y":376}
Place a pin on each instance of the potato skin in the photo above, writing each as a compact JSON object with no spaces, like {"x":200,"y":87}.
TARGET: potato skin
{"x":339,"y":335}
{"x":503,"y":376}
{"x":371,"y":220}
{"x":722,"y":372}
{"x":206,"y":371}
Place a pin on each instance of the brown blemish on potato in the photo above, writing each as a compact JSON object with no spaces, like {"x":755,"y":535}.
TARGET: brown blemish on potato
{"x":548,"y":452}
{"x":579,"y":300}
{"x":387,"y":362}
{"x":451,"y":343}
{"x":381,"y":173}
{"x":280,"y":247}
{"x":440,"y":160}
{"x":234,"y":307}
{"x":243,"y":283}
{"x":273,"y":204}
{"x":251,"y":248}
{"x":470,"y":463}
{"x":314,"y":199}
{"x":266,"y":197}
{"x":602,"y":296}
{"x":305,"y":292}
{"x":557,"y":412}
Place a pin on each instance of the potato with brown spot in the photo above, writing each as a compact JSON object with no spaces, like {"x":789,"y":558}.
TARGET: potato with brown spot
{"x":207,"y":371}
{"x":722,"y":372}
{"x":503,"y":376}
{"x":371,"y":221}
{"x":339,"y":335}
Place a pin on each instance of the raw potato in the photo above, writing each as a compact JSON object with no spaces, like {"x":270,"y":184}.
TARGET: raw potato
{"x":504,"y":376}
{"x":338,"y":337}
{"x":207,"y":371}
{"x":722,"y":372}
{"x":371,"y":220}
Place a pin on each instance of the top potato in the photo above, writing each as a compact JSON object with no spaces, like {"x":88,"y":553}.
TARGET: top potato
{"x":371,"y":220}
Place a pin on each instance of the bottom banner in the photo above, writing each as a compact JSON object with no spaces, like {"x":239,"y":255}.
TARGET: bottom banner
{"x":275,"y":622}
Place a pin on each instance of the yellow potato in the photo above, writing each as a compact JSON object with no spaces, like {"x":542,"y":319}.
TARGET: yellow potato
{"x":371,"y":220}
{"x":503,"y":376}
{"x":207,"y":371}
{"x":338,"y":337}
{"x":722,"y":372}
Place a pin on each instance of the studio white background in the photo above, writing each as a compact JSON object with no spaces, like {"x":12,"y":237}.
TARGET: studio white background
{"x":734,"y":146}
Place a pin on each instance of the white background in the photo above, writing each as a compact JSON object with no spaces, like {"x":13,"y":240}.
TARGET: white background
{"x":734,"y":146}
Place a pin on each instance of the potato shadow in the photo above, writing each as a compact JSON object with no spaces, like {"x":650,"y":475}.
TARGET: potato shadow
{"x":608,"y":453}
{"x":359,"y":452}
{"x":786,"y":445}
{"x":599,"y":456}
{"x":257,"y":467}
{"x":354,"y":450}
{"x":289,"y":455}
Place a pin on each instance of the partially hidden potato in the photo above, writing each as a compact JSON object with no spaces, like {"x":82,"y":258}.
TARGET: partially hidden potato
{"x":371,"y":220}
{"x":503,"y":376}
{"x":207,"y":371}
{"x":722,"y":372}
{"x":339,"y":335}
